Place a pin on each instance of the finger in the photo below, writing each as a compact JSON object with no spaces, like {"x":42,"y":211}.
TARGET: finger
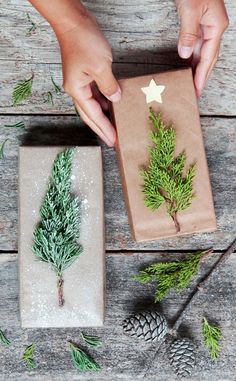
{"x":100,"y":98}
{"x":107,"y":83}
{"x":209,"y":53}
{"x":92,"y":109}
{"x":189,"y":33}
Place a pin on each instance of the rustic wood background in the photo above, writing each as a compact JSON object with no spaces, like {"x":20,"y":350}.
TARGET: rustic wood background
{"x":143,"y":36}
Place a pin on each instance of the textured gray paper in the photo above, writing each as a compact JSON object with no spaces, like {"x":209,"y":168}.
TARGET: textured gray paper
{"x":84,"y":281}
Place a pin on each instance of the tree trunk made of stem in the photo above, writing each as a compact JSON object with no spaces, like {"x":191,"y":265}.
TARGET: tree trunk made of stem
{"x":176,"y":222}
{"x":60,"y":283}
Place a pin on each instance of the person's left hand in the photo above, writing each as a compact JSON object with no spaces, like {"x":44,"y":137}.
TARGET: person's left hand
{"x":202,"y":24}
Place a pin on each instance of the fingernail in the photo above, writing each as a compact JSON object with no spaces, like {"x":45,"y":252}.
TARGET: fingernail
{"x":185,"y":51}
{"x":116,"y":97}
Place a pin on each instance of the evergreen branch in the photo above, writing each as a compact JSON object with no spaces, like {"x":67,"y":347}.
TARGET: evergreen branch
{"x":212,"y":335}
{"x":81,"y":360}
{"x":28,"y":356}
{"x":2,"y":146}
{"x":49,"y":98}
{"x":56,"y":237}
{"x":3,"y":339}
{"x":57,"y":88}
{"x":16,"y":125}
{"x":164,"y":181}
{"x":22,"y":91}
{"x":93,"y":341}
{"x":200,"y":286}
{"x":171,"y":275}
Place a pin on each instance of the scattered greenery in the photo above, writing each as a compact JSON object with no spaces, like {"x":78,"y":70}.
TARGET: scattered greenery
{"x":28,"y":356}
{"x":16,"y":125}
{"x":22,"y":90}
{"x":3,"y":339}
{"x":164,"y":181}
{"x":171,"y":275}
{"x":56,"y":237}
{"x":81,"y":360}
{"x":2,"y":146}
{"x":33,"y":26}
{"x":49,"y":98}
{"x":57,"y":88}
{"x":93,"y":341}
{"x":212,"y":335}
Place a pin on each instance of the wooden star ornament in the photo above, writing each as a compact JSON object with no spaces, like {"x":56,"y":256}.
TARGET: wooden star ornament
{"x":153,"y":92}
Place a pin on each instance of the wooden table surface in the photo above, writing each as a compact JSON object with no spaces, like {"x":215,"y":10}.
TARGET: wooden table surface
{"x":143,"y":37}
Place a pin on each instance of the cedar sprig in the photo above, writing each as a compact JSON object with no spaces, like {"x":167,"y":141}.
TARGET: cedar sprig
{"x":56,"y":87}
{"x":93,"y":341}
{"x":164,"y":179}
{"x":2,"y":147}
{"x":212,"y":335}
{"x":81,"y":360}
{"x":3,"y":339}
{"x":56,"y":237}
{"x":171,"y":275}
{"x":22,"y":90}
{"x":20,"y":124}
{"x":28,"y":356}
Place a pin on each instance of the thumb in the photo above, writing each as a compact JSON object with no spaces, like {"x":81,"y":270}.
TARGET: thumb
{"x":188,"y":35}
{"x":107,"y":83}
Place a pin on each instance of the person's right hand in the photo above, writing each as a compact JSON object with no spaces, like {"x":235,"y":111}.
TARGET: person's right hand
{"x":87,"y":62}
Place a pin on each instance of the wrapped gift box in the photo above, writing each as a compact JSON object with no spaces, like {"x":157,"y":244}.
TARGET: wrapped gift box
{"x":84,"y":280}
{"x":175,"y":99}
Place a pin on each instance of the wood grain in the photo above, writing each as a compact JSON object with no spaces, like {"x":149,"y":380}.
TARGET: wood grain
{"x":220,"y":143}
{"x":121,"y":357}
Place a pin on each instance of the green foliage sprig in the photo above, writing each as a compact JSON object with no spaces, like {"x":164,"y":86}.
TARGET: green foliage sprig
{"x":56,"y":237}
{"x":212,"y":335}
{"x":33,"y":26}
{"x":164,"y":182}
{"x":3,"y":339}
{"x":20,"y":124}
{"x":81,"y":360}
{"x":2,"y":146}
{"x":171,"y":275}
{"x":57,"y":88}
{"x":93,"y":341}
{"x":22,"y":91}
{"x":28,"y":356}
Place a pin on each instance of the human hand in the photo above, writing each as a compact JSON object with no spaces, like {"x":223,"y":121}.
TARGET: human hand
{"x":202,"y":24}
{"x":87,"y":62}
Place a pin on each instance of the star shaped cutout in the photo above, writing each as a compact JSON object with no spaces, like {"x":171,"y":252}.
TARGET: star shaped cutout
{"x":153,"y":92}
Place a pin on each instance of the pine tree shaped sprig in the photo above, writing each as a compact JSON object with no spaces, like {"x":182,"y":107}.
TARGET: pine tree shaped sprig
{"x":56,"y":237}
{"x":212,"y":335}
{"x":173,"y":274}
{"x":164,"y":179}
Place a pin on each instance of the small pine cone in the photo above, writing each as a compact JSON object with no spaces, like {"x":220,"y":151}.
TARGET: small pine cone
{"x":150,"y":326}
{"x":182,"y":356}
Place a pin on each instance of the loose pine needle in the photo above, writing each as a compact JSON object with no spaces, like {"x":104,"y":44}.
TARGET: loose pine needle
{"x":171,"y":275}
{"x":164,"y":179}
{"x":28,"y":356}
{"x":3,"y":339}
{"x":49,"y":98}
{"x":2,"y":147}
{"x":81,"y":360}
{"x":16,"y":125}
{"x":57,"y":88}
{"x":212,"y":335}
{"x":93,"y":341}
{"x":22,"y":91}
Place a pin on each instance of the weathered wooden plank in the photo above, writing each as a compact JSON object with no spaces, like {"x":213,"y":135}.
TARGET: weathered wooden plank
{"x":218,"y":98}
{"x":122,"y":358}
{"x":219,"y":137}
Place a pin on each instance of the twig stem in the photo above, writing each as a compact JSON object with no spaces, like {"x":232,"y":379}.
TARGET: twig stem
{"x":60,"y":282}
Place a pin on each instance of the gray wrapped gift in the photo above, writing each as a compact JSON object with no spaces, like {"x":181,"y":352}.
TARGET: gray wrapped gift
{"x":84,"y":280}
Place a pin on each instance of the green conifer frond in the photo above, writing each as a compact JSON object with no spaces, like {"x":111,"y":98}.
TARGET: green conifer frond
{"x":2,"y":146}
{"x":56,"y":237}
{"x":93,"y":341}
{"x":16,"y":125}
{"x":81,"y":360}
{"x":164,"y":181}
{"x":3,"y":339}
{"x":22,"y":91}
{"x":171,"y":275}
{"x":57,"y":88}
{"x":212,"y":335}
{"x":28,"y":356}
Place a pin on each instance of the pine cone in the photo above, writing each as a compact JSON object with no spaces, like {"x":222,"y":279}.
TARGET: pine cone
{"x":182,"y":356}
{"x":150,"y":326}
